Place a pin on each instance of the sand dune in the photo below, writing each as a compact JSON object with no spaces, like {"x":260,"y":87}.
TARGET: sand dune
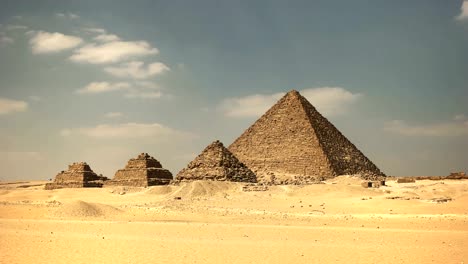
{"x":210,"y":222}
{"x":80,"y":209}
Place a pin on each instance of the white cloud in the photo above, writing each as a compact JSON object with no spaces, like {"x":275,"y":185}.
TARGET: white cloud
{"x":249,"y":106}
{"x":137,"y":70}
{"x":10,"y":106}
{"x":143,"y":95}
{"x":147,"y":84}
{"x":127,"y":130}
{"x":112,"y":51}
{"x":5,"y":40}
{"x":463,"y":11}
{"x":329,"y":101}
{"x":94,"y":30}
{"x":73,"y":16}
{"x":113,"y":114}
{"x":67,"y":15}
{"x":107,"y":38}
{"x":65,"y":132}
{"x":15,"y":27}
{"x":35,"y":98}
{"x":102,"y":87}
{"x":454,"y":127}
{"x":45,"y":42}
{"x":459,"y":117}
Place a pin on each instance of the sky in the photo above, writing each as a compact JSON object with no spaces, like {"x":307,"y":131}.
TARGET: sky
{"x":102,"y":81}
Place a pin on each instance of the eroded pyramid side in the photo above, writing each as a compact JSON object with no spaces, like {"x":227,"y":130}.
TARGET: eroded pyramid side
{"x":344,"y":156}
{"x":78,"y":175}
{"x":142,"y":171}
{"x":282,"y":147}
{"x":216,"y":162}
{"x":293,"y":143}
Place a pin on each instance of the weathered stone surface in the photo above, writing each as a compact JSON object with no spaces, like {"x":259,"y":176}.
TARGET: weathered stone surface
{"x":372,"y":184}
{"x":216,"y":163}
{"x":78,"y":175}
{"x":142,"y":171}
{"x":406,"y":180}
{"x":293,"y":143}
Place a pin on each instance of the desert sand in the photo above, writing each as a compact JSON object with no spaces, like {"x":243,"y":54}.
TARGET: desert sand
{"x":215,"y":222}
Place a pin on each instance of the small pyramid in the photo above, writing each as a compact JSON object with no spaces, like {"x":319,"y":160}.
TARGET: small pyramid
{"x":293,"y":143}
{"x":216,"y":163}
{"x":142,"y":171}
{"x":78,"y":175}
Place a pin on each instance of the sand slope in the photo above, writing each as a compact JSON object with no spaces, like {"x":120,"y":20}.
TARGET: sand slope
{"x":210,"y":222}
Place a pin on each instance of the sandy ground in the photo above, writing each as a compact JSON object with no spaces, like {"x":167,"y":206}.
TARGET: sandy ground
{"x":215,"y":222}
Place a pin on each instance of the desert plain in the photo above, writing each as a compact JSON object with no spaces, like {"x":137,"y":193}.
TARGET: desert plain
{"x":338,"y":221}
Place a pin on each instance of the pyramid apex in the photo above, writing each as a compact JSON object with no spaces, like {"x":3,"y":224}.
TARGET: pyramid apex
{"x":217,"y":143}
{"x":293,"y":92}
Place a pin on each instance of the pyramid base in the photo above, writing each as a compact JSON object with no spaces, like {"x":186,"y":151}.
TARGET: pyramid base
{"x":61,"y":185}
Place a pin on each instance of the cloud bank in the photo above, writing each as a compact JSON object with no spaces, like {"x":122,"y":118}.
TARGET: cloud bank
{"x":46,"y":42}
{"x":111,"y":52}
{"x":329,"y":101}
{"x":137,"y":70}
{"x":125,"y":131}
{"x":102,"y":87}
{"x":463,"y":11}
{"x":456,"y":127}
{"x":8,"y":106}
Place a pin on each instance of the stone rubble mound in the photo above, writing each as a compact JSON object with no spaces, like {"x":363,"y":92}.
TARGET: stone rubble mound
{"x":142,"y":171}
{"x":78,"y":175}
{"x":216,"y":163}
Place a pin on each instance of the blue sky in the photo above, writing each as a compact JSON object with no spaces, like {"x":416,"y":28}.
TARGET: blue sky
{"x":101,"y":81}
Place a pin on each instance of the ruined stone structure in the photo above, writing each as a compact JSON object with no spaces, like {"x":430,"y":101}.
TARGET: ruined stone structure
{"x":142,"y":171}
{"x":78,"y":175}
{"x":216,"y":163}
{"x":372,"y":184}
{"x":293,"y":143}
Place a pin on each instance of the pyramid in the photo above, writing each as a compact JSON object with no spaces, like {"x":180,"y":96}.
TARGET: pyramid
{"x":216,"y":163}
{"x":78,"y":175}
{"x":293,"y":143}
{"x":142,"y":171}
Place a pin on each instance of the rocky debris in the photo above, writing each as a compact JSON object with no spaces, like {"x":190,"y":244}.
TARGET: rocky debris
{"x":142,"y":171}
{"x":441,"y":200}
{"x":254,"y":187}
{"x":457,"y":175}
{"x":406,"y":180}
{"x":452,"y":176}
{"x":216,"y":163}
{"x":293,"y":142}
{"x":78,"y":175}
{"x":407,"y":198}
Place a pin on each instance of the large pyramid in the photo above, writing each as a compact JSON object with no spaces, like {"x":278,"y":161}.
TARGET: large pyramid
{"x":78,"y":175}
{"x":142,"y":171}
{"x":293,"y":143}
{"x":216,"y":163}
